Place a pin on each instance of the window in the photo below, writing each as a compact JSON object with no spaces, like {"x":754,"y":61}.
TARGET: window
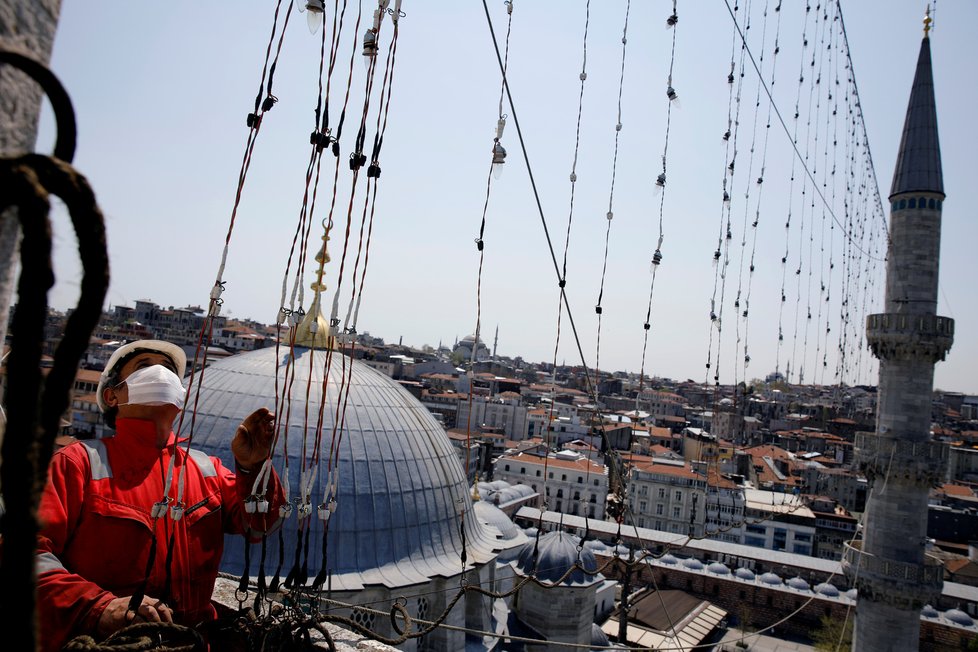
{"x":912,"y":203}
{"x":679,"y":495}
{"x":538,"y":473}
{"x":642,"y":506}
{"x":595,"y":483}
{"x":563,"y":478}
{"x":658,"y":509}
{"x":551,"y":475}
{"x":507,"y":467}
{"x":577,"y":495}
{"x":675,"y":512}
{"x":580,"y":480}
{"x":903,"y":204}
{"x":658,"y":525}
{"x":931,"y":203}
{"x":662,"y":492}
{"x":522,"y":470}
{"x":560,"y":493}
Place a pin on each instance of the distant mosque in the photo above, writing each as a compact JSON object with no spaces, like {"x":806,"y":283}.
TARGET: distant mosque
{"x":465,"y":346}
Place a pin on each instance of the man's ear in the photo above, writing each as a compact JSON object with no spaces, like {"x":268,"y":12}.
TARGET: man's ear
{"x":110,"y":397}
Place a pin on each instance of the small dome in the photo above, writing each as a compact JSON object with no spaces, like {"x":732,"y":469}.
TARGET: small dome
{"x":596,"y":546}
{"x":492,"y":515}
{"x":718,"y":569}
{"x":668,"y":559}
{"x":958,"y":617}
{"x":852,"y":594}
{"x":531,"y":532}
{"x":798,"y":584}
{"x":827,"y":589}
{"x":693,"y":564}
{"x":598,"y":637}
{"x":770,"y":578}
{"x":744,"y":573}
{"x":621,"y":550}
{"x":553,"y":555}
{"x":929,"y":612}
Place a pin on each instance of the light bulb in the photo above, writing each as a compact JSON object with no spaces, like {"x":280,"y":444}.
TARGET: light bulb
{"x":369,"y":48}
{"x":314,"y":15}
{"x":498,"y":160}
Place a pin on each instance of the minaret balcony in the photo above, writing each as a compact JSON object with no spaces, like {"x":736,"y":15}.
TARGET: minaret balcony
{"x":899,"y":584}
{"x":919,"y":462}
{"x":899,"y":336}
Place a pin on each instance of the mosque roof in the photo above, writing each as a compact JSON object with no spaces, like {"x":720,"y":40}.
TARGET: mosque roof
{"x":400,"y":486}
{"x":918,"y":166}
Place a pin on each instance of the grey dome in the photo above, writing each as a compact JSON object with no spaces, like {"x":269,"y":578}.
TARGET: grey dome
{"x":493,"y":516}
{"x":596,"y":545}
{"x":929,"y":612}
{"x":598,"y":637}
{"x":744,"y":573}
{"x":553,"y":555}
{"x":798,"y":584}
{"x":668,"y":559}
{"x":827,"y":589}
{"x":400,"y":486}
{"x":852,"y":594}
{"x":958,"y":617}
{"x":770,"y":578}
{"x":718,"y":569}
{"x":693,"y":564}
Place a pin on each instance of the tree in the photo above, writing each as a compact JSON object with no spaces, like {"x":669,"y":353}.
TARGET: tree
{"x":834,"y":634}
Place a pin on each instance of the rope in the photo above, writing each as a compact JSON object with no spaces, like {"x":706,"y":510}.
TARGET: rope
{"x":36,"y":406}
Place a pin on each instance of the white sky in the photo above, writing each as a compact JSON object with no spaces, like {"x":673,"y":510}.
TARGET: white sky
{"x":161,"y":95}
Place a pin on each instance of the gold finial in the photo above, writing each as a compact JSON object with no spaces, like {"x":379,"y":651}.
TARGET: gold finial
{"x":927,"y":22}
{"x":313,"y":331}
{"x":475,"y":488}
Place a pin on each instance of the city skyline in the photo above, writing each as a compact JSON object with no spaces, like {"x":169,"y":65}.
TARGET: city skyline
{"x":177,"y":121}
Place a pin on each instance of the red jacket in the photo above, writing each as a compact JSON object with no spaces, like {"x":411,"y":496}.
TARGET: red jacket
{"x":96,"y":529}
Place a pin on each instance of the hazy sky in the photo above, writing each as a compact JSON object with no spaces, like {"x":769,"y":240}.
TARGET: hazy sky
{"x":161,"y":95}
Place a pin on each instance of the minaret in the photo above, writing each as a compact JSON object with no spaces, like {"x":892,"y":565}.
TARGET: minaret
{"x":892,"y":571}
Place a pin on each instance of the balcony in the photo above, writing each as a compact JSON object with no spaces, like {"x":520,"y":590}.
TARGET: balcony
{"x":899,"y":584}
{"x":902,"y":336}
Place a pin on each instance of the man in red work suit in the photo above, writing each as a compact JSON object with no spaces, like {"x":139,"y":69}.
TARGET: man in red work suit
{"x":115,"y":507}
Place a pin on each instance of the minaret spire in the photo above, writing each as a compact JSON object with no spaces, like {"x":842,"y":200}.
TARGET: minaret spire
{"x":919,"y":161}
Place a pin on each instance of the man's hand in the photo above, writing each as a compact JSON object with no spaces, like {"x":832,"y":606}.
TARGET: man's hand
{"x":253,"y":440}
{"x":117,"y":614}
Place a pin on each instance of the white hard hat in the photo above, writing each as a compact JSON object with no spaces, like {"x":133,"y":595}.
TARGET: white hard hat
{"x":172,"y":351}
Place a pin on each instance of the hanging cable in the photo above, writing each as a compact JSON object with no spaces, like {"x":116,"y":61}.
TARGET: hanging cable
{"x":671,"y":96}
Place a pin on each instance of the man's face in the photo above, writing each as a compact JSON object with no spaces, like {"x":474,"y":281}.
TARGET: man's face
{"x":119,"y":394}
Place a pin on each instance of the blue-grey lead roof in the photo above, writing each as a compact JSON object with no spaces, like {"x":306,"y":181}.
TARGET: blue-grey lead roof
{"x":401,"y":487}
{"x":918,"y":166}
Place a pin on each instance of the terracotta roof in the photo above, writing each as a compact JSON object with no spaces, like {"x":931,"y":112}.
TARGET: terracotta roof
{"x":582,"y":464}
{"x":88,"y":375}
{"x":952,"y":489}
{"x":673,"y":470}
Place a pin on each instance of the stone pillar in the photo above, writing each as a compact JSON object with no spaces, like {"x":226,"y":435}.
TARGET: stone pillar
{"x":28,"y":25}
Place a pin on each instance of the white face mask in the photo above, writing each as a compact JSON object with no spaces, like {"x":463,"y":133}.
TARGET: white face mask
{"x":155,"y":385}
